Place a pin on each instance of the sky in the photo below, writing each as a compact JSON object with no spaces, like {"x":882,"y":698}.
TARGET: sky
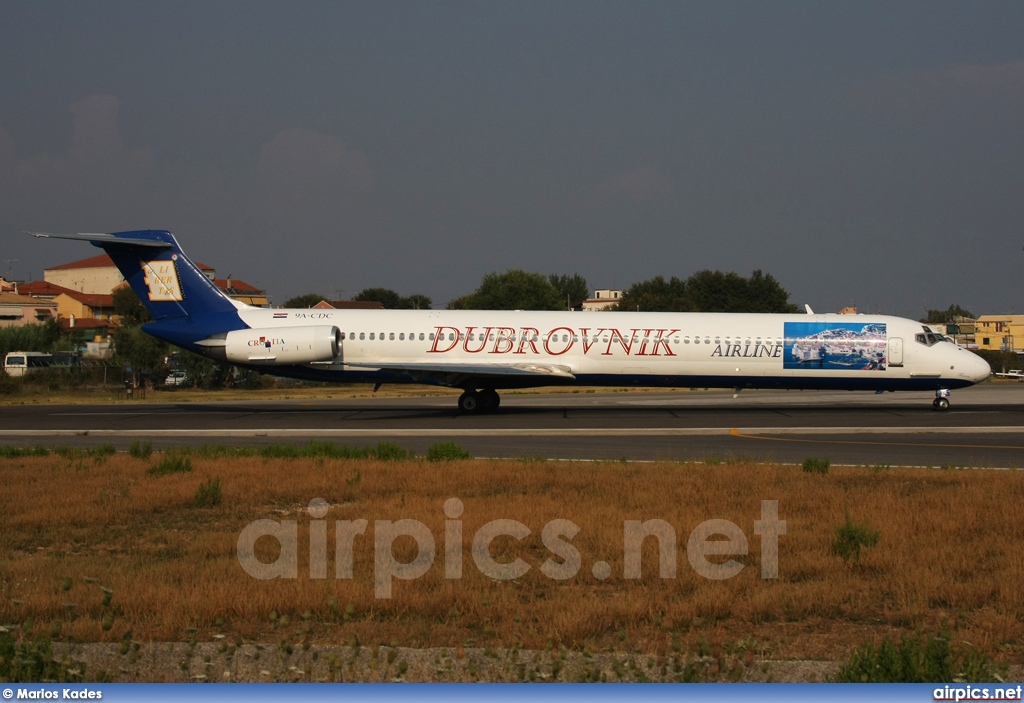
{"x":863,"y":153}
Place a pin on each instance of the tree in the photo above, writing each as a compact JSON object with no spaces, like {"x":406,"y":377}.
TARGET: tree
{"x":765,"y":294}
{"x":385,"y":296}
{"x":715,"y":291}
{"x":709,"y":291}
{"x":950,"y":314}
{"x":129,"y":309}
{"x":45,"y":337}
{"x":572,"y":290}
{"x":393,"y":301}
{"x":204,"y":372}
{"x":657,"y":295}
{"x":306,"y":300}
{"x":142,"y":352}
{"x":461,"y":303}
{"x":417,"y":302}
{"x":514,"y":290}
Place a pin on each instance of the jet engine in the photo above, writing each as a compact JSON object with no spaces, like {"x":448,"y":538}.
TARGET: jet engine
{"x":276,"y":346}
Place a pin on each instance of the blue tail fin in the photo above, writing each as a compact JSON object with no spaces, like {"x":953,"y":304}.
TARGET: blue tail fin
{"x":166,"y":281}
{"x":186,"y":306}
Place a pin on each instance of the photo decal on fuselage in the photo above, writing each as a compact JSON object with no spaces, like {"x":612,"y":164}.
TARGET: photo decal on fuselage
{"x":835,"y":345}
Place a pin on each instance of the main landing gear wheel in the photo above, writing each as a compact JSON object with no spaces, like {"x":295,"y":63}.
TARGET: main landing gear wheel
{"x":940,"y":404}
{"x":472,"y":402}
{"x":469,"y":402}
{"x":491,"y":399}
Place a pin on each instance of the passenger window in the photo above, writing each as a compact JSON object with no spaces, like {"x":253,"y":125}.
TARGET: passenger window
{"x":401,"y":337}
{"x":421,"y":336}
{"x":362,"y":335}
{"x":431,"y":337}
{"x":391,"y":336}
{"x":371,"y":336}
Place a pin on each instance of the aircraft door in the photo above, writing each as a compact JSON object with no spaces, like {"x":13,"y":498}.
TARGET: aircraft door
{"x":895,"y":351}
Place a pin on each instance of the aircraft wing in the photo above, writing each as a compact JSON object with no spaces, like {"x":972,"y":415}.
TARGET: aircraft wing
{"x":456,"y":370}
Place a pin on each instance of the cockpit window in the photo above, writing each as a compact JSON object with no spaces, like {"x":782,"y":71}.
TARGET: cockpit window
{"x":929,"y":338}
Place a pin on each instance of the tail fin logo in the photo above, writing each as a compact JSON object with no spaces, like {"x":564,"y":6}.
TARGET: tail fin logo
{"x":162,"y":279}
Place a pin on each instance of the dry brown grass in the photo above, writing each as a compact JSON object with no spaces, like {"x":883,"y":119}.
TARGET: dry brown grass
{"x":32,"y":395}
{"x":949,"y":556}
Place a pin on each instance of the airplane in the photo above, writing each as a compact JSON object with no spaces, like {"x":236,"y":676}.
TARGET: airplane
{"x":484,"y":351}
{"x":1013,"y":373}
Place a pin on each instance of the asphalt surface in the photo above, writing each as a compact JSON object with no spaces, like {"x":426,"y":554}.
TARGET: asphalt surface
{"x":983,"y":429}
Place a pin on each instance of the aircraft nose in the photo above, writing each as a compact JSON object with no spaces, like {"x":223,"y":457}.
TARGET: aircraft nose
{"x":979,"y":369}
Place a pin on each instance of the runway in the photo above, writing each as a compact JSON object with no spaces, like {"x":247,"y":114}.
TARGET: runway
{"x":984,"y":428}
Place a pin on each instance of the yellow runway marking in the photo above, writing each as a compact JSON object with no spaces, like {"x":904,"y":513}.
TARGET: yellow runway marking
{"x":736,"y":433}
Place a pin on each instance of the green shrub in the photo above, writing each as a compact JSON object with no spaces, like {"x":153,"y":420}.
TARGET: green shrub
{"x":851,"y":537}
{"x":389,"y":451}
{"x":208,"y":493}
{"x":100,"y":451}
{"x":18,"y":452}
{"x":814,"y":465}
{"x":910,"y":661}
{"x":141,"y":450}
{"x":385,"y":451}
{"x":446,"y":451}
{"x":172,"y":463}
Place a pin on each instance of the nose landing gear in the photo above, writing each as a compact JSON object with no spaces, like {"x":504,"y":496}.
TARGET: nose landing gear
{"x":941,"y":401}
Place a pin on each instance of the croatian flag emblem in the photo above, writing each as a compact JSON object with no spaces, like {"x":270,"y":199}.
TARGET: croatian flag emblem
{"x":279,"y":315}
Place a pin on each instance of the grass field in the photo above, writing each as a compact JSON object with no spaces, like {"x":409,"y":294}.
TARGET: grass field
{"x":97,"y":545}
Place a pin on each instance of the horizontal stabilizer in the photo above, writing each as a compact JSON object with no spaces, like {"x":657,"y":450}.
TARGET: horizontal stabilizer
{"x":105,"y":239}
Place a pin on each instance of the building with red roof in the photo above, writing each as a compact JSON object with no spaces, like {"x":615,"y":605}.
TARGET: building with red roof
{"x":97,"y":274}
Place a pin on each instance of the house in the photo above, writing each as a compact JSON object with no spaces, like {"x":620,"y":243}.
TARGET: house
{"x":19,"y":310}
{"x":1000,"y":333}
{"x":603,"y":299}
{"x":97,"y":274}
{"x":242,"y":291}
{"x":91,"y":334}
{"x":72,"y":303}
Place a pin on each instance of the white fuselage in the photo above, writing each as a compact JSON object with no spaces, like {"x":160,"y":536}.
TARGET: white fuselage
{"x":870,"y":352}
